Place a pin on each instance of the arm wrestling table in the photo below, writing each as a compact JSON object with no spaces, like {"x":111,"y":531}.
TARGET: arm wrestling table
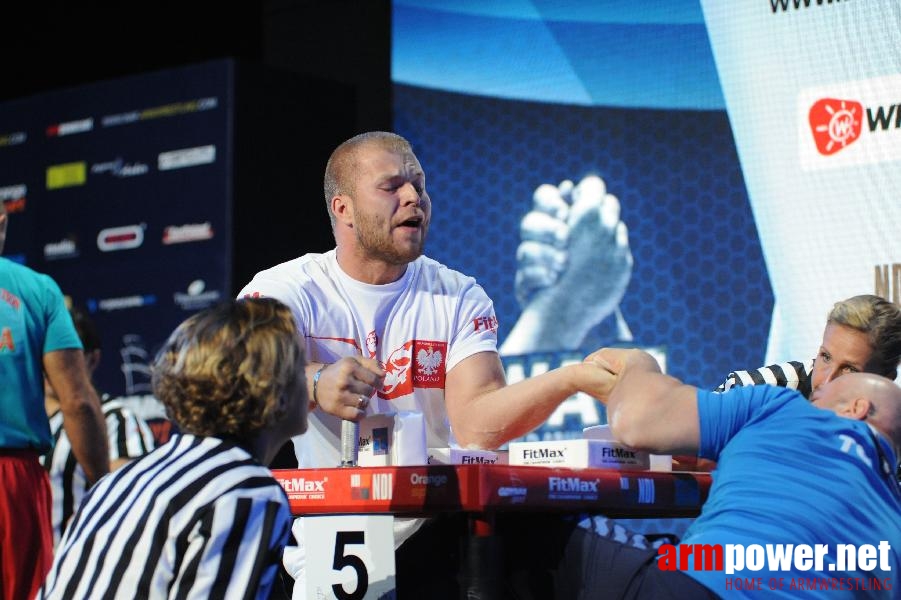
{"x":483,"y":490}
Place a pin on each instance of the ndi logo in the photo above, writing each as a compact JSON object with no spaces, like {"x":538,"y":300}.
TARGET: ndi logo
{"x":382,"y":486}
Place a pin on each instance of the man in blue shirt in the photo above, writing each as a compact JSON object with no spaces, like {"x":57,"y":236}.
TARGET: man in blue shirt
{"x":790,"y":474}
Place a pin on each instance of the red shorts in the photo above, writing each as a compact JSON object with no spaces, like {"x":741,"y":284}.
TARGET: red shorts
{"x":26,"y":535}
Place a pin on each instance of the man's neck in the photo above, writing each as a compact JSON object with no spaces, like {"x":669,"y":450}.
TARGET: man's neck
{"x":895,"y":445}
{"x":371,"y":271}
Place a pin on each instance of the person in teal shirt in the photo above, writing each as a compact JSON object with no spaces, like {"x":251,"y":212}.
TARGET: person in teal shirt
{"x":37,"y":337}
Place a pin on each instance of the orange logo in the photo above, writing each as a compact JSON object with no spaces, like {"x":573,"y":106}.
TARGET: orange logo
{"x":835,"y":124}
{"x":6,"y":340}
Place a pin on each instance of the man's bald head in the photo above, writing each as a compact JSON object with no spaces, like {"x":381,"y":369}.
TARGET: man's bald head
{"x":864,"y":397}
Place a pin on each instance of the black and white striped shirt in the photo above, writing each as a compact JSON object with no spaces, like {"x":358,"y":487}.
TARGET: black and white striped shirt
{"x":129,"y":437}
{"x":793,"y":375}
{"x":195,"y":518}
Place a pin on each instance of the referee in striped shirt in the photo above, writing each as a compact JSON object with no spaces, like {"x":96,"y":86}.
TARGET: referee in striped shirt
{"x":129,"y":435}
{"x":201,"y":516}
{"x":862,"y":335}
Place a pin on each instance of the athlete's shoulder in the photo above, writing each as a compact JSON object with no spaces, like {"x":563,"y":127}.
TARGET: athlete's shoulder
{"x":432,"y":270}
{"x":26,"y":279}
{"x":296,"y":267}
{"x":286,"y":279}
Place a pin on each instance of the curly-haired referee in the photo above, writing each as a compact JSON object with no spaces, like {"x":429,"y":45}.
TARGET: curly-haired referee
{"x":201,"y":516}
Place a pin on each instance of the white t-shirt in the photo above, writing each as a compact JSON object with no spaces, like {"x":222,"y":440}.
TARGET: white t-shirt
{"x":418,"y":327}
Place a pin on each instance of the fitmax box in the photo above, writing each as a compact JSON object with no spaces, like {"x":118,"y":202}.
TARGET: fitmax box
{"x":579,"y":453}
{"x":462,"y":456}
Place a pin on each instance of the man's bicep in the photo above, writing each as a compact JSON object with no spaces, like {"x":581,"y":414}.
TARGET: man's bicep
{"x":473,"y":376}
{"x":654,"y":412}
{"x":683,"y":425}
{"x":65,"y":369}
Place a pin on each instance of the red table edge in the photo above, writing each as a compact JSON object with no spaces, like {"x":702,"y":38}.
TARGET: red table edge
{"x":482,"y":488}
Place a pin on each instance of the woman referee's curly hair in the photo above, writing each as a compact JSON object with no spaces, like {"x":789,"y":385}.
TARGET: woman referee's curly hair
{"x":233,"y":370}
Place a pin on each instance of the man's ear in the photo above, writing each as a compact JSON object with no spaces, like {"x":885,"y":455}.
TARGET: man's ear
{"x":342,"y":207}
{"x":858,"y":408}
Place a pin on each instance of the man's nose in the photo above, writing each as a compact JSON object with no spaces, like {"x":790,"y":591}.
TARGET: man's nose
{"x":410,"y":195}
{"x":831,"y":373}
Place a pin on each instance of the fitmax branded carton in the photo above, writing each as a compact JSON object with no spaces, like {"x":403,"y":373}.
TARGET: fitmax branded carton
{"x":578,"y":454}
{"x":463,"y":456}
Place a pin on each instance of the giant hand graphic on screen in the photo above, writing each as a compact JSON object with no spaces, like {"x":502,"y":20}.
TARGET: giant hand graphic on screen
{"x":573,"y":266}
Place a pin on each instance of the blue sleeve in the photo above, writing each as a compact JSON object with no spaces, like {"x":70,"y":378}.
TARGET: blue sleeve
{"x":722,"y":415}
{"x":61,"y":333}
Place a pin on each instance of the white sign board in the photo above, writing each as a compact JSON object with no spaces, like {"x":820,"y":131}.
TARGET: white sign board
{"x":350,"y":557}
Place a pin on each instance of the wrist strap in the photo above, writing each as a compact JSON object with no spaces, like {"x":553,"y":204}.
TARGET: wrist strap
{"x":316,"y":385}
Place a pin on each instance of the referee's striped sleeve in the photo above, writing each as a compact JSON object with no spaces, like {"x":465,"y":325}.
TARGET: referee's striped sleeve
{"x":794,"y":375}
{"x":129,"y":436}
{"x":242,"y":529}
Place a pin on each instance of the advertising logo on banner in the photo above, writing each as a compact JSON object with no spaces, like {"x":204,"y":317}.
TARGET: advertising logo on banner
{"x":115,"y":195}
{"x":818,"y":128}
{"x":860,"y":119}
{"x":14,"y":197}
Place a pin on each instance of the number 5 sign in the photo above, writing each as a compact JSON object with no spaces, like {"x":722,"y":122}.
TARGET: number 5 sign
{"x":350,"y":557}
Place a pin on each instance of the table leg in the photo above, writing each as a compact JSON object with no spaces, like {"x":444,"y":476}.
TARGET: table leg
{"x":481,"y":576}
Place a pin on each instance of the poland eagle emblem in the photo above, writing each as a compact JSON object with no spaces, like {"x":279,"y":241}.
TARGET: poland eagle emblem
{"x":428,"y":360}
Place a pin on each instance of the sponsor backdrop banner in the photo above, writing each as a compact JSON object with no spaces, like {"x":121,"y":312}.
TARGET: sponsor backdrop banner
{"x":701,"y":179}
{"x":120,"y":192}
{"x":813,"y":92}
